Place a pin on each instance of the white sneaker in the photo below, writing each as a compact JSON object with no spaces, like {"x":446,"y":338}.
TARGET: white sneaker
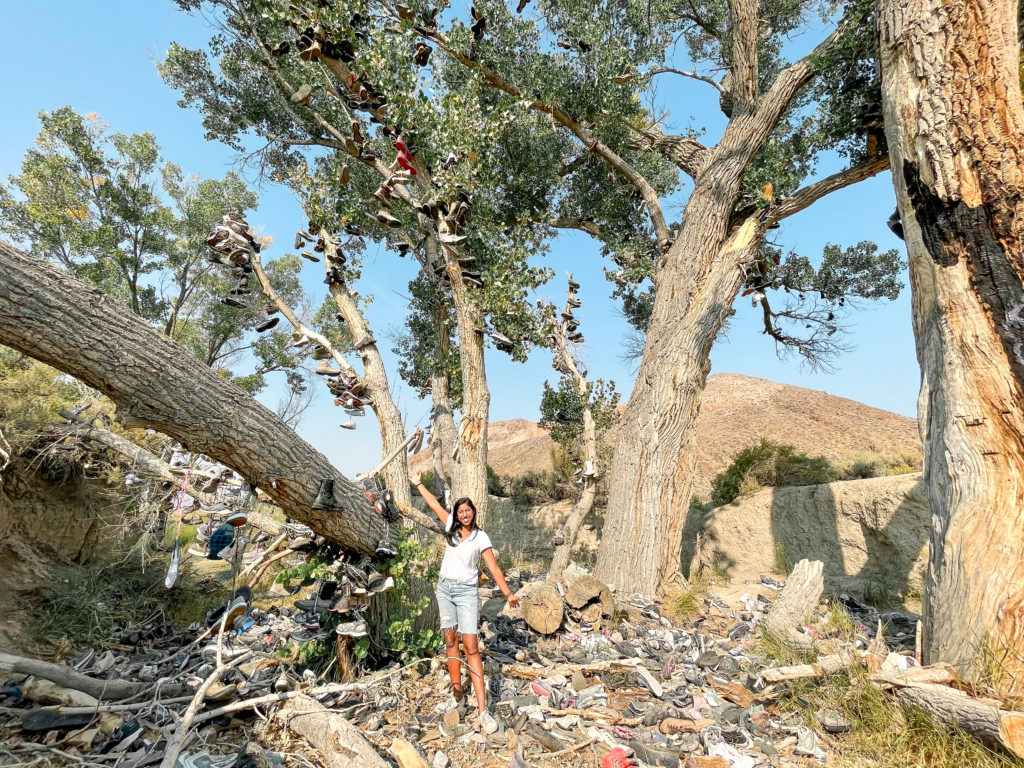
{"x":450,"y":703}
{"x":488,"y":723}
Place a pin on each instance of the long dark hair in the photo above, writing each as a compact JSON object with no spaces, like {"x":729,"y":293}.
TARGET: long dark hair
{"x":453,"y":535}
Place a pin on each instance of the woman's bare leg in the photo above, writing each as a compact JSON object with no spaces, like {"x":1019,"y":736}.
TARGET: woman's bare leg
{"x":476,"y":669}
{"x":451,"y":649}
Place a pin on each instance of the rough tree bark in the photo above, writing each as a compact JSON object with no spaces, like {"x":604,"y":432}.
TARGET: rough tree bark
{"x":954,"y":124}
{"x":471,"y":441}
{"x":53,"y":317}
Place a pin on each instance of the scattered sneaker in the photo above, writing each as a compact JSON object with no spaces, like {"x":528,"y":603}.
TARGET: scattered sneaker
{"x":488,"y":723}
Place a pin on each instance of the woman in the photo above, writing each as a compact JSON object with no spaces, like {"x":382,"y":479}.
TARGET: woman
{"x":458,"y":601}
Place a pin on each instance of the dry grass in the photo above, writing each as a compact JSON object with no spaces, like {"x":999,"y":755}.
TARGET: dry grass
{"x":884,"y":732}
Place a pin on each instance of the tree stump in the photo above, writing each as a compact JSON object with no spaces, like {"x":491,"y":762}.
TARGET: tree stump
{"x":802,"y":592}
{"x":542,"y":607}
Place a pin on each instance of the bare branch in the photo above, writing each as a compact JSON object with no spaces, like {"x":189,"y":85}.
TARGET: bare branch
{"x":692,"y":75}
{"x":688,"y":154}
{"x":806,"y":196}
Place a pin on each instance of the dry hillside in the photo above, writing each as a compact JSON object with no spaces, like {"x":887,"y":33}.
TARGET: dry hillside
{"x":737,"y":411}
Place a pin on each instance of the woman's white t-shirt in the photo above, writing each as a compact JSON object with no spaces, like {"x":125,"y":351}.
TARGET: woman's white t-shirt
{"x":460,"y":562}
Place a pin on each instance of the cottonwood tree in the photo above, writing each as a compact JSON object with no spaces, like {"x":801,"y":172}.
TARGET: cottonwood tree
{"x":955,"y":128}
{"x":110,"y":210}
{"x":366,"y":87}
{"x":588,"y":69}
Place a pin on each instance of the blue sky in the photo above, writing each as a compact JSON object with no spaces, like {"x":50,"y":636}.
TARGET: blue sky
{"x":99,"y":57}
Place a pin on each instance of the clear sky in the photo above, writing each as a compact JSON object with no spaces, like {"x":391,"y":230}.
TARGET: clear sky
{"x":99,"y":57}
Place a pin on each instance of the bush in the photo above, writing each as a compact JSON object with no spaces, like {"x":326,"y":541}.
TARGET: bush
{"x":495,"y":485}
{"x":865,"y":465}
{"x":769,"y":465}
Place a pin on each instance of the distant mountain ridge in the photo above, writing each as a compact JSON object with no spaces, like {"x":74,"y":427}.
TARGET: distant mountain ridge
{"x":736,"y":411}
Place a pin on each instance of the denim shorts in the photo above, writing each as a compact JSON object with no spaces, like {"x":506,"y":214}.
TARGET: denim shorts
{"x":458,"y":605}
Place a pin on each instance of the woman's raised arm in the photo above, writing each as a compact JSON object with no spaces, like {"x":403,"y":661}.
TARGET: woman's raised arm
{"x":431,"y":499}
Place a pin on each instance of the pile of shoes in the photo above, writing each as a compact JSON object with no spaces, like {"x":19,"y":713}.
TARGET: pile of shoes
{"x":232,"y":242}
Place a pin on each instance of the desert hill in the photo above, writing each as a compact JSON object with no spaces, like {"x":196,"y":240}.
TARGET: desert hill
{"x":736,"y":412}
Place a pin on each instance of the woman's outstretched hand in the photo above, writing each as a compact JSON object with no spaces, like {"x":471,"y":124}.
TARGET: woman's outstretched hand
{"x":513,"y":600}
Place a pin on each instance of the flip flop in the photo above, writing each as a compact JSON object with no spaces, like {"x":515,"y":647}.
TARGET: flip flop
{"x":172,"y":568}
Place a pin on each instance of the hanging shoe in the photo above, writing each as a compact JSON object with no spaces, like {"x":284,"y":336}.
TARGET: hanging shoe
{"x":588,"y":469}
{"x":348,"y":424}
{"x":325,"y":497}
{"x":172,"y":566}
{"x":266,"y":325}
{"x":237,"y":518}
{"x":324,"y":368}
{"x":576,"y":338}
{"x":521,"y":6}
{"x":310,"y":257}
{"x":219,"y":540}
{"x":302,"y":94}
{"x":232,"y":302}
{"x":365,"y":341}
{"x":405,"y":163}
{"x":573,"y":285}
{"x":573,"y":302}
{"x":451,"y":238}
{"x":281,"y":48}
{"x":386,"y":218}
{"x":312,"y":50}
{"x":320,"y":353}
{"x":422,"y":55}
{"x":355,"y":628}
{"x":479,"y":27}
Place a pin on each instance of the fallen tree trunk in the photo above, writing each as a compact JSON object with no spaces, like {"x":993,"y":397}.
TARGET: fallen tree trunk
{"x":335,"y":739}
{"x":54,"y":317}
{"x":956,"y":709}
{"x":104,"y":690}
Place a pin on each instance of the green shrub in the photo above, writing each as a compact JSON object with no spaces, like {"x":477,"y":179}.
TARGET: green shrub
{"x":769,"y":465}
{"x":864,"y":465}
{"x":495,"y":485}
{"x":414,"y":563}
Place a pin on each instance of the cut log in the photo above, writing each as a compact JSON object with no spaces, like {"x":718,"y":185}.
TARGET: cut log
{"x":802,"y":592}
{"x":335,"y":739}
{"x":582,"y":589}
{"x":934,"y":673}
{"x":54,"y":317}
{"x":956,"y":709}
{"x":542,"y":607}
{"x":104,"y":690}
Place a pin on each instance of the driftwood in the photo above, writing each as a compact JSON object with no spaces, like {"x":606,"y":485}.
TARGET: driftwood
{"x":802,"y":592}
{"x":407,"y":755}
{"x":523,"y":672}
{"x":832,"y":664}
{"x":109,"y":690}
{"x":956,"y":709}
{"x":177,"y":740}
{"x":337,"y":741}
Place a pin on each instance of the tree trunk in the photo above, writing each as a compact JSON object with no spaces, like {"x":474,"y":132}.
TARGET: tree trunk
{"x":375,"y":379}
{"x":651,"y":478}
{"x":471,"y":441}
{"x":338,"y":743}
{"x":55,"y":318}
{"x":442,"y":431}
{"x":953,"y":120}
{"x":572,"y":525}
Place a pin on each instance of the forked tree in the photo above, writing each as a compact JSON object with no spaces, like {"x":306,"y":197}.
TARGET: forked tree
{"x":955,"y":129}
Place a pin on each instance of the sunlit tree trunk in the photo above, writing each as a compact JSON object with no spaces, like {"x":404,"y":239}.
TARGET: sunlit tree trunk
{"x":954,"y":125}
